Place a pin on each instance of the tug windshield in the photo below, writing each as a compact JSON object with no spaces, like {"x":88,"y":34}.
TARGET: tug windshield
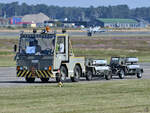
{"x":37,"y":46}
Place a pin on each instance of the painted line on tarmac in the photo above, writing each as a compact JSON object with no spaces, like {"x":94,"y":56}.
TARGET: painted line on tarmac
{"x":147,"y":69}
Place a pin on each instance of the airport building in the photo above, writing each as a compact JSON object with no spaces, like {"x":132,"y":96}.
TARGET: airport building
{"x":29,"y":20}
{"x":117,"y":23}
{"x":15,"y":20}
{"x":4,"y":22}
{"x":66,"y":24}
{"x":35,"y":20}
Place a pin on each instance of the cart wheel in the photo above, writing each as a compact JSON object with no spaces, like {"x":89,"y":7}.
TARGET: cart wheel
{"x":89,"y":75}
{"x":139,"y":75}
{"x":121,"y":74}
{"x":30,"y":80}
{"x":44,"y":80}
{"x":108,"y":76}
{"x":77,"y":74}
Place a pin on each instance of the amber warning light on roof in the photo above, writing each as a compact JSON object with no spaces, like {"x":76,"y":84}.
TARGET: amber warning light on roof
{"x":47,"y":28}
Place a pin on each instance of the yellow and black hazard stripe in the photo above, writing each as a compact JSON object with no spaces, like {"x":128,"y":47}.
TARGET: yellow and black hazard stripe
{"x":38,"y":74}
{"x":24,"y":73}
{"x":44,"y":74}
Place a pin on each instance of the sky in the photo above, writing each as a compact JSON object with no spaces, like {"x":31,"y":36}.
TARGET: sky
{"x":85,"y":3}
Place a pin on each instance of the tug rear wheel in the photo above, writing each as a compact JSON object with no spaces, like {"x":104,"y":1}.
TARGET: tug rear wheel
{"x":77,"y":74}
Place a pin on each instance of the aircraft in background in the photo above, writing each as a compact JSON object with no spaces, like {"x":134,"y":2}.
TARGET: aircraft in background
{"x":94,"y":29}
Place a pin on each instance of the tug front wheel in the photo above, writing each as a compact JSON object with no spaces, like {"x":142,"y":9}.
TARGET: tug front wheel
{"x":30,"y":80}
{"x":44,"y":80}
{"x":61,"y":77}
{"x":64,"y":73}
{"x":58,"y":79}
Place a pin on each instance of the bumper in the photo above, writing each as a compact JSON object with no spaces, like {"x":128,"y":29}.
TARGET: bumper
{"x":35,"y":74}
{"x":135,"y":71}
{"x":102,"y":72}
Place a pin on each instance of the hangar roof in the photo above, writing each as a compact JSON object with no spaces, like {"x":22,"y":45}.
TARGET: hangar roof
{"x":116,"y":20}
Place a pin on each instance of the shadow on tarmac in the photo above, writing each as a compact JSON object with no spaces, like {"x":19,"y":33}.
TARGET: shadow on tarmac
{"x":67,"y":81}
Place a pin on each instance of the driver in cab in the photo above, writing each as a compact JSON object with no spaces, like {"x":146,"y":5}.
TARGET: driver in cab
{"x":33,"y":47}
{"x":37,"y":47}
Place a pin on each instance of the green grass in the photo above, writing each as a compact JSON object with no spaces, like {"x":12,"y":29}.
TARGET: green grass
{"x":6,"y":57}
{"x":128,"y":96}
{"x":6,"y":61}
{"x":6,"y":53}
{"x":8,"y":37}
{"x":143,"y":56}
{"x":102,"y":47}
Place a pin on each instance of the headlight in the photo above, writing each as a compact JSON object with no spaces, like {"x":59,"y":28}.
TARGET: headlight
{"x":21,"y":68}
{"x":45,"y":68}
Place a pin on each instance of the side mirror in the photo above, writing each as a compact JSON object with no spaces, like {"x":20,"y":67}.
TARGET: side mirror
{"x":15,"y":48}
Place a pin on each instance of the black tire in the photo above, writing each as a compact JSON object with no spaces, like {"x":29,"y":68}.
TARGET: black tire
{"x":89,"y":33}
{"x":63,"y":73}
{"x":77,"y":74}
{"x":89,"y":75}
{"x":44,"y":80}
{"x":108,"y":76}
{"x":121,"y":74}
{"x":58,"y":78}
{"x":139,"y":74}
{"x":61,"y":77}
{"x":30,"y":80}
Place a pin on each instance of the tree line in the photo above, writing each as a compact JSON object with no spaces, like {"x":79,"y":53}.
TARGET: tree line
{"x":74,"y":13}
